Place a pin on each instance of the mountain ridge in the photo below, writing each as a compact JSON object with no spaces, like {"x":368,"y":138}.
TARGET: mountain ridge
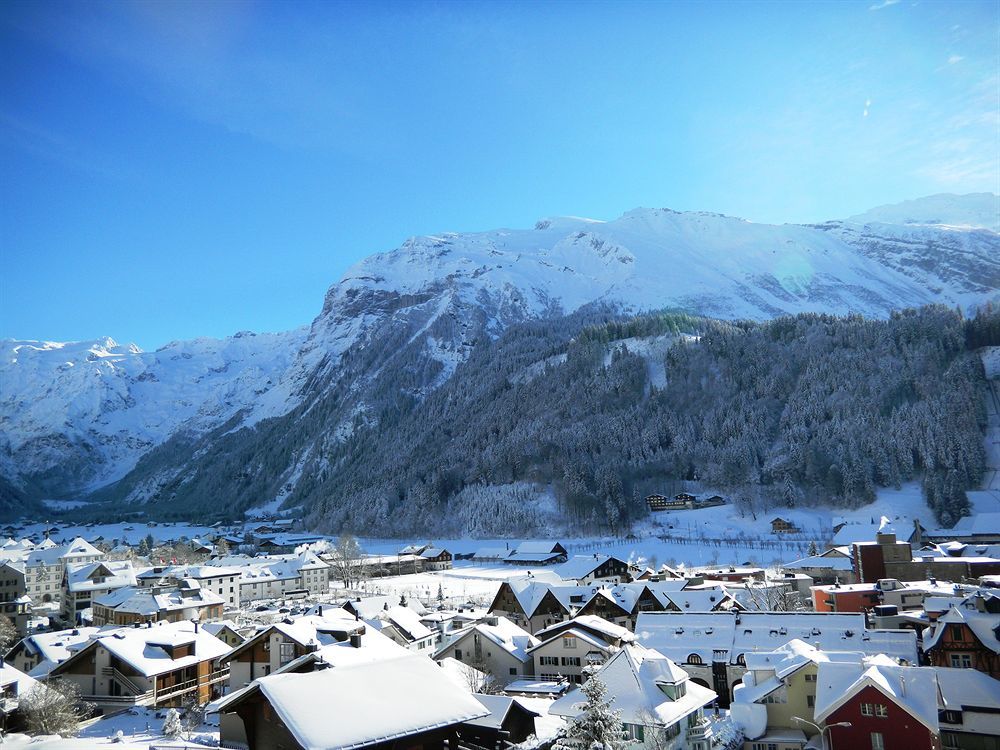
{"x":436,"y":296}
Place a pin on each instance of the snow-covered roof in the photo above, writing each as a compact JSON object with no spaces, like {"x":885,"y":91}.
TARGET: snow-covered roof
{"x":678,"y":635}
{"x":404,"y":619}
{"x":984,"y":625}
{"x":914,"y":689}
{"x":504,"y":634}
{"x":370,"y":607}
{"x":329,"y":634}
{"x":196,"y":572}
{"x":270,"y":567}
{"x":147,"y":649}
{"x":852,"y":533}
{"x":498,"y":706}
{"x":408,"y":695}
{"x":219,"y":625}
{"x":536,"y":548}
{"x":116,"y":574}
{"x":150,"y":601}
{"x":977,"y":523}
{"x":56,"y":647}
{"x":50,"y":555}
{"x":633,"y":677}
{"x":968,"y":689}
{"x":593,"y":623}
{"x":9,"y":675}
{"x":580,"y":566}
{"x":828,"y":562}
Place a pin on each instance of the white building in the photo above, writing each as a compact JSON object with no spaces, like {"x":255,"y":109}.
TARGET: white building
{"x":223,"y":581}
{"x":660,"y":706}
{"x":44,"y":567}
{"x":83,"y":582}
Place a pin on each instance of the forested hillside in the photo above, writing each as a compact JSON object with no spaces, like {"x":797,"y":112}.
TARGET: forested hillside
{"x":593,"y":411}
{"x":795,"y":411}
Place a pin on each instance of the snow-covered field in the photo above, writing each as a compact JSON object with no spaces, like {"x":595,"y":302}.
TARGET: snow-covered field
{"x":139,"y":728}
{"x":692,"y":537}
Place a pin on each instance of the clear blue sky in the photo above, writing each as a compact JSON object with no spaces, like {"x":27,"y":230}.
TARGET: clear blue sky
{"x":177,"y":169}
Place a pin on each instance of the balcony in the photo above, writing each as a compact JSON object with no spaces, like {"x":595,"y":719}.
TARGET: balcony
{"x":154,"y":697}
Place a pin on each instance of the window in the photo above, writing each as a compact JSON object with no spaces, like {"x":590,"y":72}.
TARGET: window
{"x":811,"y":701}
{"x":877,"y":742}
{"x":571,"y":661}
{"x":458,"y":654}
{"x":879,"y":710}
{"x":636,"y":732}
{"x":548,"y":661}
{"x":694,"y":659}
{"x":962,"y":661}
{"x":513,"y":670}
{"x":811,"y":678}
{"x":956,"y":632}
{"x":569,"y":642}
{"x":765,"y":746}
{"x":951,"y":717}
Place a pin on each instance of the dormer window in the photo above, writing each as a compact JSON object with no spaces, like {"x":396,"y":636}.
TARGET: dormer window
{"x":674,"y":691}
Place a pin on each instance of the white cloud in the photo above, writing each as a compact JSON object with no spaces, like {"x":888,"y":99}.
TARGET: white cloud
{"x":868,"y":104}
{"x":883,"y":4}
{"x":955,"y":59}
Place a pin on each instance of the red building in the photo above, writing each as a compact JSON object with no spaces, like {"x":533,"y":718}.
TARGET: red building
{"x":888,"y":707}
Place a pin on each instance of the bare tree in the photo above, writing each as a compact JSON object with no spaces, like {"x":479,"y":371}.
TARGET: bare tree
{"x":654,"y":733}
{"x":482,"y":679}
{"x":54,"y":708}
{"x":347,"y":563}
{"x":767,"y":597}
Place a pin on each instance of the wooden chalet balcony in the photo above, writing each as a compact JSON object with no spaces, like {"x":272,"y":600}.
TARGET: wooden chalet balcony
{"x":153,"y":697}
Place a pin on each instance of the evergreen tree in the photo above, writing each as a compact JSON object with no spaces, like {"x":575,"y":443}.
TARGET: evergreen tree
{"x":172,"y":724}
{"x":813,"y":549}
{"x":598,"y":727}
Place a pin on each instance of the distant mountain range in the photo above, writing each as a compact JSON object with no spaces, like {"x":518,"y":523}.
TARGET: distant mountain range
{"x":110,"y":422}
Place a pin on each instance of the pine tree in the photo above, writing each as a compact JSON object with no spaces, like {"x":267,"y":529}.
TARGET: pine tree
{"x":598,"y":727}
{"x":813,"y":549}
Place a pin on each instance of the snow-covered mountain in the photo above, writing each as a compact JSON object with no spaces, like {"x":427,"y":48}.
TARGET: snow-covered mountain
{"x":975,"y":210}
{"x":79,"y":415}
{"x":76,"y":416}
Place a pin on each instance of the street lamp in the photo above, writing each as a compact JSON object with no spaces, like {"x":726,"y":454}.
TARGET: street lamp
{"x":822,"y":730}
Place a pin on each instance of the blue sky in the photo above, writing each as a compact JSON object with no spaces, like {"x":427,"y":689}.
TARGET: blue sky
{"x":183,"y":169}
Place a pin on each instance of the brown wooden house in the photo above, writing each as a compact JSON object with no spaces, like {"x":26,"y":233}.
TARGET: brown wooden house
{"x":965,"y":639}
{"x":782,"y":526}
{"x":416,"y":703}
{"x":158,"y":664}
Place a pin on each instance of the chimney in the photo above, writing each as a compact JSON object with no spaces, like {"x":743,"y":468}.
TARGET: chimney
{"x":355,"y":640}
{"x":320,"y":610}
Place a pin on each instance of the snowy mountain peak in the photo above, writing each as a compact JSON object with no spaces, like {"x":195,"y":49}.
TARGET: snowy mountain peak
{"x":78,"y":415}
{"x":973,"y":210}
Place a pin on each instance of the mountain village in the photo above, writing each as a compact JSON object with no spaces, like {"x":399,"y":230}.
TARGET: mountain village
{"x":263,"y":636}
